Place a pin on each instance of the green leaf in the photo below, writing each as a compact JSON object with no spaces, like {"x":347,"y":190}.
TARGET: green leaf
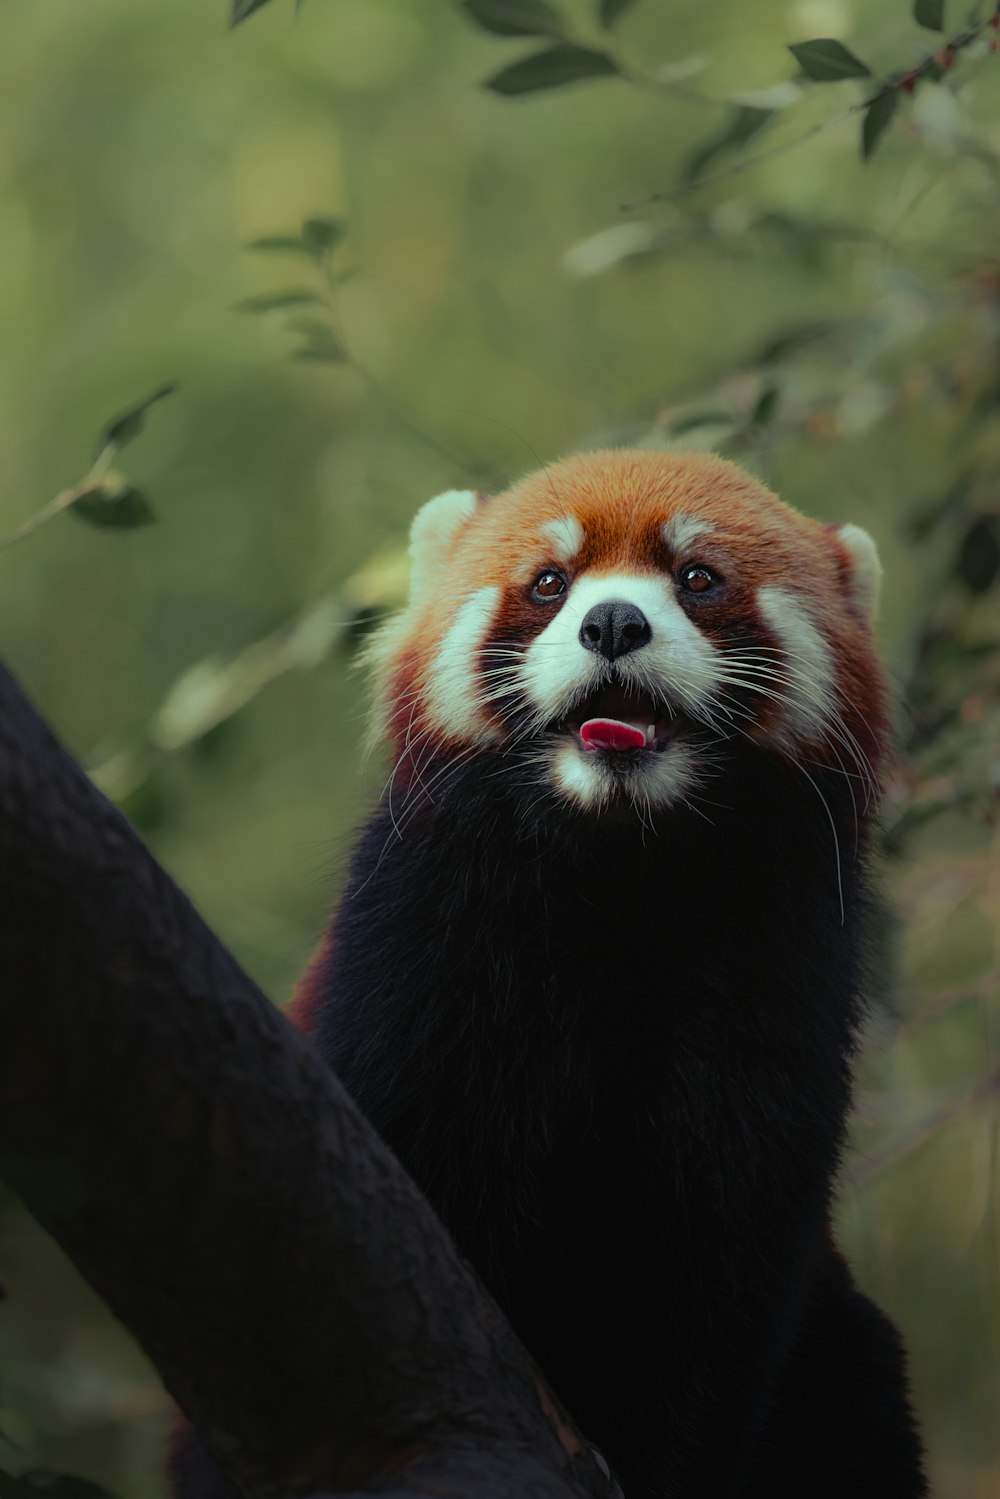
{"x":42,"y":1485}
{"x":922,"y":522}
{"x":243,"y":8}
{"x":313,"y":327}
{"x":320,"y":337}
{"x":320,"y":236}
{"x":552,"y":68}
{"x":275,"y":301}
{"x":782,"y":345}
{"x":608,"y":11}
{"x":514,"y":17}
{"x":929,"y":13}
{"x":978,"y":562}
{"x":878,"y":118}
{"x":275,"y":244}
{"x":131,"y":422}
{"x":828,"y":61}
{"x":319,"y":353}
{"x":743,"y":124}
{"x":765,"y":407}
{"x":700,"y":419}
{"x":114,"y":505}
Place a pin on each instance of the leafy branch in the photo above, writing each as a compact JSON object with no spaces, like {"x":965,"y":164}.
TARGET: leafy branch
{"x":314,"y":319}
{"x":212,"y":691}
{"x":570,"y":58}
{"x":574,"y":56}
{"x":826,"y":60}
{"x":103,"y":497}
{"x":316,"y":242}
{"x":242,"y":9}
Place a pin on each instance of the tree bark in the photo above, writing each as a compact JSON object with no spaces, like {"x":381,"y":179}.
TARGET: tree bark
{"x":213,"y":1181}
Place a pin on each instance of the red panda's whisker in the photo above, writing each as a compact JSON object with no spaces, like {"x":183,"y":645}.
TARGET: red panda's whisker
{"x":388,"y":788}
{"x":833,"y":829}
{"x":426,"y":752}
{"x":839,"y":733}
{"x":749,"y":662}
{"x":842,"y":770}
{"x":436,"y":781}
{"x":798,"y":764}
{"x":409,"y":752}
{"x":649,"y":681}
{"x":501,"y":673}
{"x":837,"y":726}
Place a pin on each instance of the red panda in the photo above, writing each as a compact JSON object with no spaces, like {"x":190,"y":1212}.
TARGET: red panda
{"x":596,"y":975}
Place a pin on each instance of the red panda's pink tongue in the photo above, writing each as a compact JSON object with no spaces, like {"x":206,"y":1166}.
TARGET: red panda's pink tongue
{"x":611,"y":733}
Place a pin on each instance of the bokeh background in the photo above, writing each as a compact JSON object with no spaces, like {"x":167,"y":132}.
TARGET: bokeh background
{"x":469,"y":296}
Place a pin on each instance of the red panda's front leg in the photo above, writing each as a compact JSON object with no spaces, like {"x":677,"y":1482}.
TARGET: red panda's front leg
{"x":841,"y":1422}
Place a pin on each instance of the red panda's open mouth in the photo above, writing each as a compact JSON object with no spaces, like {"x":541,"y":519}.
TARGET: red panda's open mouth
{"x":622,"y":720}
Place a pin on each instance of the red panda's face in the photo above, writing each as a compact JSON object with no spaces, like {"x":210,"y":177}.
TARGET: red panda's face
{"x":619,"y":616}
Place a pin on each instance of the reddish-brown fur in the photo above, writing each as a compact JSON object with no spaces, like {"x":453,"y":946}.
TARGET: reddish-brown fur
{"x":622,"y":499}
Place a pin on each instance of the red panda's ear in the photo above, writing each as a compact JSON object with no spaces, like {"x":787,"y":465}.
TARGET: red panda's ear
{"x":434,"y":528}
{"x":865,"y":577}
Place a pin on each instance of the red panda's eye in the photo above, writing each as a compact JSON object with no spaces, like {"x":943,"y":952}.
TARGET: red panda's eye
{"x":698,"y":579}
{"x":549,"y":585}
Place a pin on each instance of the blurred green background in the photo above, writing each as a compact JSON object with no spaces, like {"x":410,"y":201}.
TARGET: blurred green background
{"x":835,"y":324}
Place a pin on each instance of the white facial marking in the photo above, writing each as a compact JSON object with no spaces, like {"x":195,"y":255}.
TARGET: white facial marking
{"x":433,"y":530}
{"x":565,"y":536}
{"x":452,"y":694}
{"x":671,"y":775}
{"x":576,"y":778}
{"x":678,"y":663}
{"x":809,"y":665}
{"x":866,"y":576}
{"x":680,"y":531}
{"x":655,"y":782}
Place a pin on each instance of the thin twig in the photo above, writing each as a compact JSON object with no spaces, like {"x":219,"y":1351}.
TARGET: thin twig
{"x":452,"y":456}
{"x":63,"y":501}
{"x":987,"y":984}
{"x":879,"y":1160}
{"x":738,"y":168}
{"x":904,"y":82}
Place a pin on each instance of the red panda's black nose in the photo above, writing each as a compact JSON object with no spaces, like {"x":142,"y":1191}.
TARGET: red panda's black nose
{"x":614,"y":628}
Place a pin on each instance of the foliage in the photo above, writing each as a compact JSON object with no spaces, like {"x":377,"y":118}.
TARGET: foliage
{"x":551,"y":69}
{"x":38,"y":1484}
{"x":243,"y":9}
{"x":515,"y":17}
{"x":821,"y":60}
{"x":317,"y":241}
{"x":103,"y":498}
{"x":828,"y":61}
{"x":831,"y":321}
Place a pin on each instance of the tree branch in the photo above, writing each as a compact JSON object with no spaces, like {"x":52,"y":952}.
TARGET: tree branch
{"x":215,"y":1184}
